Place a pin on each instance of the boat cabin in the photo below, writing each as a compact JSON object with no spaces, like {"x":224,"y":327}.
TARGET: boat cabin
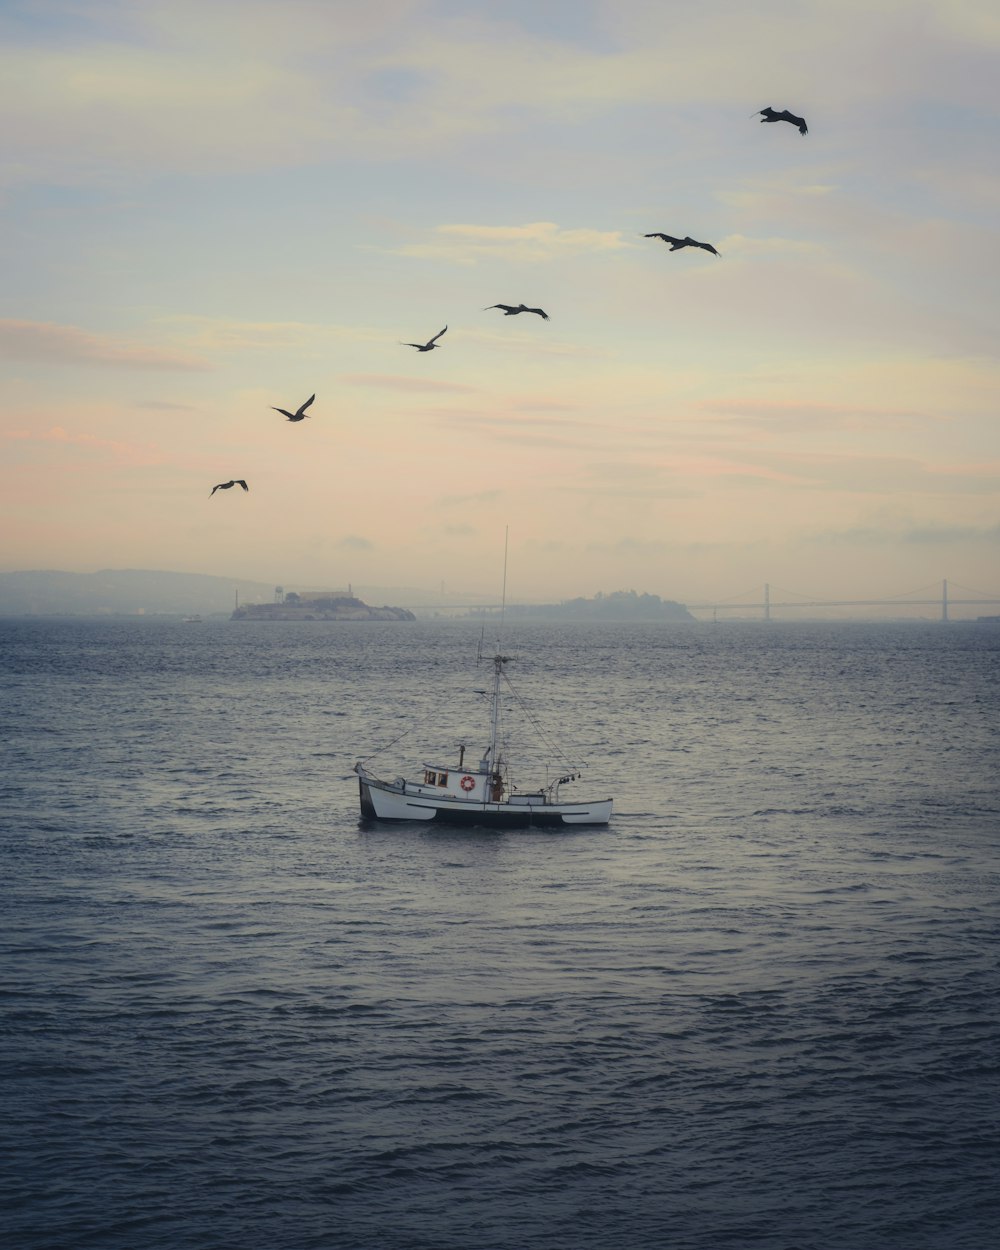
{"x":455,"y":783}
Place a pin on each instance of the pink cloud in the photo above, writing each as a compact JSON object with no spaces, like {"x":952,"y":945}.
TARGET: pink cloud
{"x":396,"y":382}
{"x":132,"y":454}
{"x":792,"y":411}
{"x":46,"y":341}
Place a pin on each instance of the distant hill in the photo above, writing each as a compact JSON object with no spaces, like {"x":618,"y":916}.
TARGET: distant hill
{"x":621,"y":605}
{"x":123,"y":591}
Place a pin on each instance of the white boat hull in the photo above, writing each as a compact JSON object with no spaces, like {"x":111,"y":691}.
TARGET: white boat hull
{"x":401,"y":800}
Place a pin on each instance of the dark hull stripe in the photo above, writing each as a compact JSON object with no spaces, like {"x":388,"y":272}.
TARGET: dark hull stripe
{"x":478,"y":817}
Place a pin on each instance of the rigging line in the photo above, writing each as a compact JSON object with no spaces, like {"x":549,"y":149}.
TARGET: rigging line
{"x":382,"y":749}
{"x":372,"y":755}
{"x":549,"y":743}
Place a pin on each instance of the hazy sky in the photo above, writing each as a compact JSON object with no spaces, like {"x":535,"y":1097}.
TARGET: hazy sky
{"x":212,"y":207}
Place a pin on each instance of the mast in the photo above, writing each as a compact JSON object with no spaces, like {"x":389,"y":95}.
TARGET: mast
{"x":498,"y":663}
{"x":499,"y":660}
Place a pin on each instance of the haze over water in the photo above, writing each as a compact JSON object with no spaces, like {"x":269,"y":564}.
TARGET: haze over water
{"x":758,"y":1010}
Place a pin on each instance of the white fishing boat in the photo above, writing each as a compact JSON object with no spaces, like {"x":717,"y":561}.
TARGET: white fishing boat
{"x":484,"y":794}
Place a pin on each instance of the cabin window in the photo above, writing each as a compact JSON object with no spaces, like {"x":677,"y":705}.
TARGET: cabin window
{"x":442,"y":779}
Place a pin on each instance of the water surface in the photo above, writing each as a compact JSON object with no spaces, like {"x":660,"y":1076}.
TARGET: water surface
{"x":758,"y":1010}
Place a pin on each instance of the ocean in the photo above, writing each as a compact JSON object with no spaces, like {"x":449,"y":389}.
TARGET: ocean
{"x":759,"y":1011}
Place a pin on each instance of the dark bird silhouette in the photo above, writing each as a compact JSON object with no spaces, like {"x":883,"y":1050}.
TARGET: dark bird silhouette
{"x":299,"y":414}
{"x":237,"y":481}
{"x":511,"y":310}
{"x":429,"y":345}
{"x":772,"y":115}
{"x":677,"y":244}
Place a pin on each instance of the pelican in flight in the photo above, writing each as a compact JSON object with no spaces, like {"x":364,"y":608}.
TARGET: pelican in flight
{"x":237,"y":481}
{"x":429,"y":345}
{"x":299,"y":414}
{"x":772,"y":115}
{"x":677,"y":244}
{"x":511,"y":310}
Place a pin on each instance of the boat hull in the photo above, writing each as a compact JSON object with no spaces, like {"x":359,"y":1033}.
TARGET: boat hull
{"x":385,"y":801}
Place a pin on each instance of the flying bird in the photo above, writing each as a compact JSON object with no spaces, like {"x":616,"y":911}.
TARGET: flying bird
{"x":299,"y":414}
{"x":772,"y":115}
{"x":238,"y":481}
{"x":511,"y":310}
{"x":677,"y":244}
{"x":429,"y":345}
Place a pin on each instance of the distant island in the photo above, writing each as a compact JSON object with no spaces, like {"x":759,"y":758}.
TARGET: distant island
{"x":620,"y":605}
{"x":159,"y":593}
{"x":156,"y":593}
{"x":319,"y":606}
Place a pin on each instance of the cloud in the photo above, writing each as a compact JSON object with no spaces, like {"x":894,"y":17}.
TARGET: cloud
{"x":671,"y":477}
{"x":527,"y":404}
{"x":135,"y":96}
{"x":397,"y":382}
{"x":739,"y":245}
{"x":158,"y":405}
{"x":224,"y":334}
{"x":784,"y":196}
{"x":133,"y":455}
{"x":820,"y":416}
{"x":527,"y":344}
{"x":930,"y":535}
{"x":536,"y":241}
{"x":354,"y":542}
{"x":532,"y":431}
{"x":879,"y":475}
{"x":246,"y":84}
{"x":945,"y":534}
{"x":544,"y":231}
{"x":30,"y":341}
{"x":646,"y":547}
{"x":460,"y":501}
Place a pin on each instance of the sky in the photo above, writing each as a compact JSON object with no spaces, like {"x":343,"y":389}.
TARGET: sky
{"x":209,"y":210}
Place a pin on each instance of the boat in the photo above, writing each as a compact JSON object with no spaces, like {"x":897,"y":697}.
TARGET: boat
{"x":191,"y":620}
{"x":481,"y":796}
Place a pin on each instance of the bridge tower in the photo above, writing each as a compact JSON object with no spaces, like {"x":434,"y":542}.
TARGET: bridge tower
{"x":944,"y":599}
{"x":767,"y":601}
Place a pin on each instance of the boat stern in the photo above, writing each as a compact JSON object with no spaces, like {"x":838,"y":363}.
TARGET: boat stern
{"x":365,"y":795}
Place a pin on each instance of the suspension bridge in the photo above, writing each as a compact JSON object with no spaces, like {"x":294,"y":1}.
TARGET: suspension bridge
{"x":944,"y":599}
{"x":941,"y":596}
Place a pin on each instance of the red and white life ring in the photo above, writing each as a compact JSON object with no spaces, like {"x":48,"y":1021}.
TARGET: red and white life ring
{"x":468,"y":783}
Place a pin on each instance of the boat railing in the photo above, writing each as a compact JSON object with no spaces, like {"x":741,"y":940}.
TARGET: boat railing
{"x":530,"y":798}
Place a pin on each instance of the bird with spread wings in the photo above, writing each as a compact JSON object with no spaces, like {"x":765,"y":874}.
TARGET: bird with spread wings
{"x":299,"y":414}
{"x":511,"y":310}
{"x":429,"y":345}
{"x":772,"y":115}
{"x":677,"y":244}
